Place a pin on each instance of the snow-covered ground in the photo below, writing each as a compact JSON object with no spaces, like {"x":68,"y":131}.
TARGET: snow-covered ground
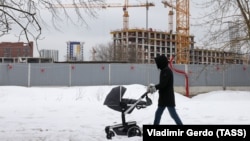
{"x":78,"y":113}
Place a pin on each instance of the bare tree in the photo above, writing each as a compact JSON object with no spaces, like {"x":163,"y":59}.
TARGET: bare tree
{"x":24,"y":16}
{"x":223,"y":16}
{"x":107,"y":52}
{"x":103,"y":52}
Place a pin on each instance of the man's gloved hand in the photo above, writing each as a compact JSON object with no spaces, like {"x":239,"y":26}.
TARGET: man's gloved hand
{"x":151,"y":88}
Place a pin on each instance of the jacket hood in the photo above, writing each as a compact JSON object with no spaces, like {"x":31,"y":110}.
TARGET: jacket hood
{"x":161,"y":62}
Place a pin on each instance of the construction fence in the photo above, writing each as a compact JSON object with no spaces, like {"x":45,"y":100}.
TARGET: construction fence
{"x":62,"y":74}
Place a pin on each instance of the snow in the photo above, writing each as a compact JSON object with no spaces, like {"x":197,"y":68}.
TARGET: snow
{"x":78,"y":113}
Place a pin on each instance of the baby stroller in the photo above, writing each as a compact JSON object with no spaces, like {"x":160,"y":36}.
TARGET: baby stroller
{"x":115,"y":101}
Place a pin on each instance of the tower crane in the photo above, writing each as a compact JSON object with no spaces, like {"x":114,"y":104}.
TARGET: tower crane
{"x":182,"y":29}
{"x":111,"y":5}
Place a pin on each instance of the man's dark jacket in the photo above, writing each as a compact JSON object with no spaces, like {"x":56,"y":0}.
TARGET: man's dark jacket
{"x":165,"y":86}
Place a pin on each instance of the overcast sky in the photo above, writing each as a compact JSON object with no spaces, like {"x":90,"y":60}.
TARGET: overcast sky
{"x":98,"y":29}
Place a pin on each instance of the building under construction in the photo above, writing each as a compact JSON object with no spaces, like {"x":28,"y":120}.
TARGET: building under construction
{"x":142,"y":46}
{"x":215,"y":56}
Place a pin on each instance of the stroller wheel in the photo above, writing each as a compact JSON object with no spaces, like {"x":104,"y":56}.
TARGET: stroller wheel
{"x":134,"y":131}
{"x":110,"y":134}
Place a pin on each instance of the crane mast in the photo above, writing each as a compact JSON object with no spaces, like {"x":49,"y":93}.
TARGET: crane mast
{"x":182,"y":29}
{"x":125,"y":16}
{"x":182,"y":21}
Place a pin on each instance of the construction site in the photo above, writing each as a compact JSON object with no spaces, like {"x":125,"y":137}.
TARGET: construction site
{"x":142,"y":45}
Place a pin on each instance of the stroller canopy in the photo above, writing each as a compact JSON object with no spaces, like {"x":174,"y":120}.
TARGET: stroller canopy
{"x":114,"y":98}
